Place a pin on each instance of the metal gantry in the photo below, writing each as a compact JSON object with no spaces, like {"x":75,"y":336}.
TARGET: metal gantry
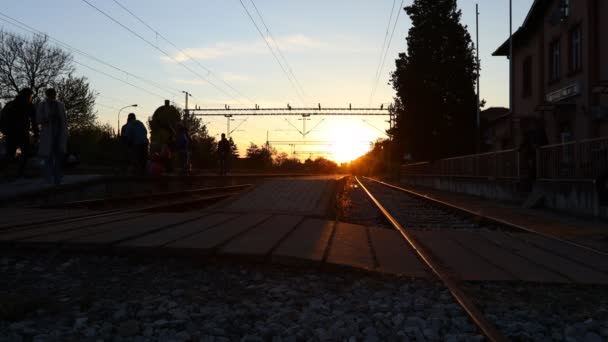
{"x":305,"y":112}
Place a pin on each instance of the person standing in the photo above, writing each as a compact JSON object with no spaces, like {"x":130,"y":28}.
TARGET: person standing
{"x":135,"y":136}
{"x":182,"y":146}
{"x":53,"y":135}
{"x":16,"y":119}
{"x":223,"y":151}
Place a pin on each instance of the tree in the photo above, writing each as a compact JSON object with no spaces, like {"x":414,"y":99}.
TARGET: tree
{"x":234,"y":150}
{"x":79,"y":100}
{"x":434,"y":81}
{"x":260,"y":157}
{"x":26,"y":63}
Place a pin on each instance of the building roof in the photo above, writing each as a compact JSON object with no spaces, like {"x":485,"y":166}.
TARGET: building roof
{"x":536,"y":13}
{"x":494,"y":113}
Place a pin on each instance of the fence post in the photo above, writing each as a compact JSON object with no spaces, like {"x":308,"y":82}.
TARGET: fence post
{"x":538,"y":164}
{"x":518,"y":165}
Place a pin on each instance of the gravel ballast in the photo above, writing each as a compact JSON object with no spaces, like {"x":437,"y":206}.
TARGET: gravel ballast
{"x":73,"y":298}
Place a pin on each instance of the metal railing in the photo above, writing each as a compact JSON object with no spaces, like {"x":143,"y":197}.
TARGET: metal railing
{"x":585,"y":159}
{"x":500,"y":165}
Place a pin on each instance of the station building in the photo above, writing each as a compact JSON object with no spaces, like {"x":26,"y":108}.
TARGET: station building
{"x":560,"y":72}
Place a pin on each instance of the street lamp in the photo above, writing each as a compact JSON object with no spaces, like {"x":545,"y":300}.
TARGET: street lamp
{"x":118,"y":128}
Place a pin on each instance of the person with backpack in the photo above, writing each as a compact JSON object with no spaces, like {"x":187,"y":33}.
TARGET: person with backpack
{"x":135,"y":137}
{"x":16,"y":118}
{"x":53,"y":135}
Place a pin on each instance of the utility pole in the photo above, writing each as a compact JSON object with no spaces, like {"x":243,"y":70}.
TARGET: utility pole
{"x":228,"y":118}
{"x":478,"y":135}
{"x":511,"y":56}
{"x":186,"y":111}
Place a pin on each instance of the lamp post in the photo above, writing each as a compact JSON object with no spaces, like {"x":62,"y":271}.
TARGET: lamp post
{"x":118,"y":128}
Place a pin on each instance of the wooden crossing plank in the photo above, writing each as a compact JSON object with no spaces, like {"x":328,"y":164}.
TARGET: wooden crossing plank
{"x":128,"y":229}
{"x":205,"y":242}
{"x":575,"y":271}
{"x":460,"y":261}
{"x":351,"y":247}
{"x":185,"y":230}
{"x":394,"y":254}
{"x":260,"y":240}
{"x":308,"y":242}
{"x":595,"y":260}
{"x":32,"y":233}
{"x":516,"y":265}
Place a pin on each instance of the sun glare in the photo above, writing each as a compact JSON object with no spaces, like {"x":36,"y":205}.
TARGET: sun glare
{"x":349,"y":143}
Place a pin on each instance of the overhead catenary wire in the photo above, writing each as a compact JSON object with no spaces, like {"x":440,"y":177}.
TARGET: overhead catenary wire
{"x":23,"y":26}
{"x":271,"y":51}
{"x":299,"y":85}
{"x":388,"y":26}
{"x":385,"y":54}
{"x":183,"y":52}
{"x":156,"y":47}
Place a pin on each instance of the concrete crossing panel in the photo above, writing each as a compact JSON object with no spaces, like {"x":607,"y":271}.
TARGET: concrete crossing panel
{"x":166,"y":236}
{"x":460,"y":261}
{"x":260,"y":240}
{"x":567,"y":267}
{"x":351,"y":247}
{"x":129,"y":229}
{"x":514,"y":264}
{"x":394,"y":254}
{"x":205,"y":242}
{"x":308,"y":242}
{"x":32,"y":233}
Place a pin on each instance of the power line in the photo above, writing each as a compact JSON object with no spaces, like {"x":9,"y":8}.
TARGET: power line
{"x":32,"y":30}
{"x":271,"y":51}
{"x":388,"y":26}
{"x":375,"y":87}
{"x":120,"y":80}
{"x":279,"y":50}
{"x":158,"y":34}
{"x":160,"y":50}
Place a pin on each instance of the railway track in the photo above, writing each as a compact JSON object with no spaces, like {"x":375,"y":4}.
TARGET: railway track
{"x":177,"y":201}
{"x":411,"y":213}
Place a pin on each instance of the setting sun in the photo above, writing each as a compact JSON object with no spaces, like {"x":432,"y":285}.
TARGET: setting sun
{"x":350,"y":142}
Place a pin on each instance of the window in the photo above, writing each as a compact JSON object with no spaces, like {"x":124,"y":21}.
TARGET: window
{"x":575,"y":53}
{"x":565,"y":9}
{"x":526,"y":76}
{"x":555,"y":59}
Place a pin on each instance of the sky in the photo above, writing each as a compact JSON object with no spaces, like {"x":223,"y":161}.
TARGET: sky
{"x":333,"y":47}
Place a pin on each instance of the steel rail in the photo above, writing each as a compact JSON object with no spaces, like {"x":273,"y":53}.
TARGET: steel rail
{"x":486,"y":327}
{"x":487,"y":218}
{"x":150,"y":196}
{"x":88,"y":216}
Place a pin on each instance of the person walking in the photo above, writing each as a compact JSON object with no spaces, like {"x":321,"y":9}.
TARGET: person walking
{"x":182,"y":146}
{"x":53,"y":135}
{"x":16,"y":118}
{"x":223,"y":151}
{"x":135,"y":136}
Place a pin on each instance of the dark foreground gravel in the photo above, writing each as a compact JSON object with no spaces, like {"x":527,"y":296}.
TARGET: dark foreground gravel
{"x":541,"y":312}
{"x":60,"y":297}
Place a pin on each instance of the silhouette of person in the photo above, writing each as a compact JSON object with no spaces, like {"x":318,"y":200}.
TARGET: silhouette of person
{"x":15,"y":121}
{"x":53,"y":135}
{"x":223,"y":151}
{"x":135,"y":136}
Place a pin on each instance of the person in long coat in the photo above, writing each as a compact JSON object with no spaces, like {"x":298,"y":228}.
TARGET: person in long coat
{"x":53,"y":135}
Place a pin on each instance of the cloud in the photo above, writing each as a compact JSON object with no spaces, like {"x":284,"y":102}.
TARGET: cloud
{"x":296,"y":42}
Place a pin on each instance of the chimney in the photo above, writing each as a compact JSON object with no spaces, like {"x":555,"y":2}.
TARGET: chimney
{"x":167,"y":102}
